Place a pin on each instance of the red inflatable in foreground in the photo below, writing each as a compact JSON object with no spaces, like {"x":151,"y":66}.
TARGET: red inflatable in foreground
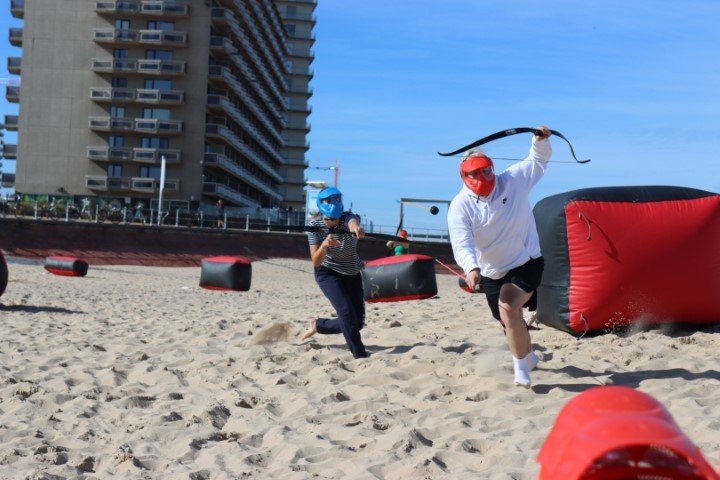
{"x":613,"y":433}
{"x":616,"y":256}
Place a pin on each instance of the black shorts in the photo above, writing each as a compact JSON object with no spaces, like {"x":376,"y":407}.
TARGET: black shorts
{"x":527,"y":276}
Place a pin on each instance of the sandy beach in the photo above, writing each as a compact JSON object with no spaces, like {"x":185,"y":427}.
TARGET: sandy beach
{"x":136,"y":372}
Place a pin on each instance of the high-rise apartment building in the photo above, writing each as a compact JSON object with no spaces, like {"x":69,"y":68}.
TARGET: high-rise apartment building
{"x":219,"y":88}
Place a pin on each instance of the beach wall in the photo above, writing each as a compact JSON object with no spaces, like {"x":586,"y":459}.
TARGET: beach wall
{"x":109,"y":244}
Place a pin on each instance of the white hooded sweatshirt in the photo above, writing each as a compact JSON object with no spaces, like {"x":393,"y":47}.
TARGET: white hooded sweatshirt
{"x":497,"y":233}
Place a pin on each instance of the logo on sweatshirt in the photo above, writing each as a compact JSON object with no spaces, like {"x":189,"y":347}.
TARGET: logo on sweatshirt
{"x":504,"y":200}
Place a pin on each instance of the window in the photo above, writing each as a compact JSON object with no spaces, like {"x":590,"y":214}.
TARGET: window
{"x":158,"y":83}
{"x":121,"y":24}
{"x":150,"y":172}
{"x":114,"y":170}
{"x":155,"y":142}
{"x":159,"y":54}
{"x":164,"y":26}
{"x":119,"y":82}
{"x":158,"y":113}
{"x":117,"y":112}
{"x":120,"y":53}
{"x":291,"y":11}
{"x":290,"y":30}
{"x":115,"y":141}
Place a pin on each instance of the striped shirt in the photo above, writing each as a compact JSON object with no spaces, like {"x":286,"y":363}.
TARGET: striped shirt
{"x":343,"y":259}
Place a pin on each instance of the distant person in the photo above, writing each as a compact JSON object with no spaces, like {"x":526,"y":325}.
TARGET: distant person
{"x":399,"y":248}
{"x":220,"y":210}
{"x":337,"y":270}
{"x":495,"y":241}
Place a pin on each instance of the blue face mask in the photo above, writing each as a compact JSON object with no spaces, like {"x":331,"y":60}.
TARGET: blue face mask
{"x":332,"y":210}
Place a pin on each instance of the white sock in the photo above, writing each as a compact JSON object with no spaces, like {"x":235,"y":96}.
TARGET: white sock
{"x":522,"y":371}
{"x":532,"y":360}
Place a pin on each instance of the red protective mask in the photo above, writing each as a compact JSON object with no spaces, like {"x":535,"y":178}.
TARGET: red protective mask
{"x":478,"y":174}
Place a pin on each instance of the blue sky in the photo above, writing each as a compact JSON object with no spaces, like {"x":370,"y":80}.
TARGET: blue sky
{"x":634,"y":85}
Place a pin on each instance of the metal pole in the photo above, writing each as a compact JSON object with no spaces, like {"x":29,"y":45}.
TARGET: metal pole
{"x":162,"y":186}
{"x":247,"y":222}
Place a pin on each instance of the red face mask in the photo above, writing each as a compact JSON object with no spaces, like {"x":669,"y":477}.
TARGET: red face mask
{"x":478,"y":174}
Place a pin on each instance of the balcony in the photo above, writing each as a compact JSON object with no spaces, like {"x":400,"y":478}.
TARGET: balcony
{"x":224,"y":76}
{"x":225,"y":17}
{"x":9,"y":151}
{"x":160,"y":97}
{"x":223,"y":163}
{"x":16,"y":36}
{"x":161,"y":67}
{"x":223,"y":133}
{"x":113,"y":65}
{"x":126,"y":184}
{"x":154,"y":155}
{"x":12,"y":94}
{"x":110,"y":124}
{"x":115,"y":95}
{"x":222,"y":45}
{"x":140,"y":66}
{"x":227,"y":107}
{"x":11,"y":123}
{"x":17,"y":8}
{"x":140,"y":37}
{"x":299,"y":107}
{"x":229,"y":194}
{"x":109,"y":154}
{"x":7,"y":180}
{"x":142,"y":95}
{"x":148,"y":8}
{"x":157,"y":126}
{"x":14,"y":65}
{"x":152,"y":185}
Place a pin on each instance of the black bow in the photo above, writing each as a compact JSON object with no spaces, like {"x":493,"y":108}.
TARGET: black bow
{"x":509,"y":132}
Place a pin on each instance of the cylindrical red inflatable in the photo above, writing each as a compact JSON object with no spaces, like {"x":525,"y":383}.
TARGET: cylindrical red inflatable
{"x":66,"y":266}
{"x":398,"y":278}
{"x":615,"y":432}
{"x":3,"y":274}
{"x":615,"y":256}
{"x":226,"y":273}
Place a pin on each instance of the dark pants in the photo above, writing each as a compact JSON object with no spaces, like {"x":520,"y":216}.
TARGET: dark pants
{"x":526,"y":276}
{"x":345,"y":293}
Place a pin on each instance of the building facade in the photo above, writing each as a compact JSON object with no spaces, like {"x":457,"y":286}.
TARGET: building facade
{"x":218,"y":88}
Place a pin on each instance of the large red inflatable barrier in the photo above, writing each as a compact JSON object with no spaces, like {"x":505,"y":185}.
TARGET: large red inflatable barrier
{"x":398,"y":278}
{"x":66,"y":266}
{"x":615,"y":432}
{"x":3,"y":274}
{"x":226,"y":273}
{"x":615,"y":256}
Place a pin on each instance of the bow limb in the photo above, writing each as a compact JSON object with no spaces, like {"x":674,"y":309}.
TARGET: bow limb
{"x":507,"y":133}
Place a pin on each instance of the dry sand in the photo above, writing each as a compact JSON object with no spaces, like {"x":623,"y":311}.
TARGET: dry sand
{"x":136,"y":372}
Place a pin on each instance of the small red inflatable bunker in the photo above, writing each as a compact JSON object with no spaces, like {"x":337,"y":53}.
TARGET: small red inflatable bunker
{"x":226,"y":273}
{"x":613,"y":433}
{"x":66,"y":266}
{"x":398,"y":278}
{"x":616,"y":256}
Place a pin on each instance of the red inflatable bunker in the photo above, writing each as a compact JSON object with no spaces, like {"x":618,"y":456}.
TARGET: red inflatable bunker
{"x":613,"y":433}
{"x":398,"y":278}
{"x":226,"y":273}
{"x":66,"y":266}
{"x":619,"y":255}
{"x":3,"y":274}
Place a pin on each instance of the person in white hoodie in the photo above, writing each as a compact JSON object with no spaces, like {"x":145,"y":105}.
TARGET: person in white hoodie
{"x":495,"y":240}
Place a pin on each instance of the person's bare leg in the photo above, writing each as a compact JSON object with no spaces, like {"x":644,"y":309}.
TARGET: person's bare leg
{"x":310,"y":331}
{"x":512,"y":299}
